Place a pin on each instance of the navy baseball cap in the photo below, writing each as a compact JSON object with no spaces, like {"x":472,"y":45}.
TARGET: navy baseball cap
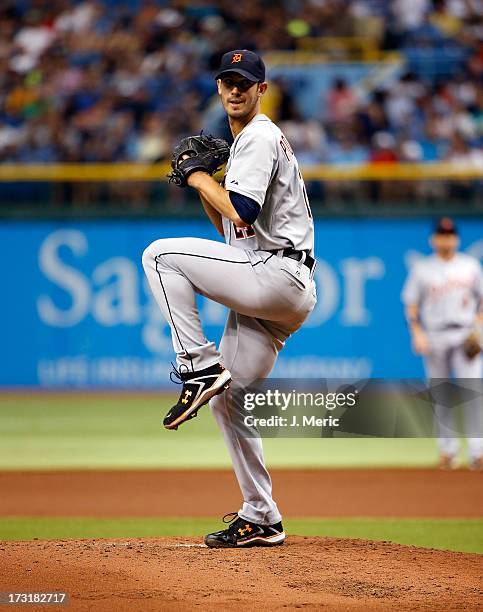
{"x":244,"y":62}
{"x":445,"y":226}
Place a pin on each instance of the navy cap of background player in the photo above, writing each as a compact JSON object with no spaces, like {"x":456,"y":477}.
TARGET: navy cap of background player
{"x":244,"y":62}
{"x":445,"y":226}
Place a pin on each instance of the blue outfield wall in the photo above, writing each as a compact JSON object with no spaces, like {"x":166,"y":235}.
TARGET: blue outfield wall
{"x":76,"y":310}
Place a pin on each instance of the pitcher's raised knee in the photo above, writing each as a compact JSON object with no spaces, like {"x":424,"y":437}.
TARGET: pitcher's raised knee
{"x":155,"y":250}
{"x":148,"y":257}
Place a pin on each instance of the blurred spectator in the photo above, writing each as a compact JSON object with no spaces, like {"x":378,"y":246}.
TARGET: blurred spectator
{"x":411,"y":151}
{"x":445,"y":19}
{"x":432,"y":145}
{"x":383,"y":148}
{"x":10,"y":138}
{"x":372,"y":116}
{"x":401,"y":104}
{"x":384,"y":151}
{"x":307,"y":138}
{"x":153,"y":143}
{"x":461,"y":153}
{"x":279,"y":102}
{"x":345,"y":148}
{"x":31,"y":40}
{"x":341,"y":102}
{"x":409,"y":14}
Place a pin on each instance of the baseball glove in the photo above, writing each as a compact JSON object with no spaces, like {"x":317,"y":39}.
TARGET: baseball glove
{"x":471,"y":346}
{"x":197,"y":153}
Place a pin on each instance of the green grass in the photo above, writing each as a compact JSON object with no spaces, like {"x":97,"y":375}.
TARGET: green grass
{"x":447,"y":534}
{"x":65,"y":431}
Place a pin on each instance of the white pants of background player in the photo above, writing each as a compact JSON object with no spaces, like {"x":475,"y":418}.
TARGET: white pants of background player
{"x":447,"y":360}
{"x":269,"y":298}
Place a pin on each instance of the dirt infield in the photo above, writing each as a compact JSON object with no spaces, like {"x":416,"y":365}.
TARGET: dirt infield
{"x":181,"y":574}
{"x":323,"y":493}
{"x":177,"y":574}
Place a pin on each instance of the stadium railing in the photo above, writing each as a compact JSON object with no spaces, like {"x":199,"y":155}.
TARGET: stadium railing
{"x":137,"y":189}
{"x":158,"y":171}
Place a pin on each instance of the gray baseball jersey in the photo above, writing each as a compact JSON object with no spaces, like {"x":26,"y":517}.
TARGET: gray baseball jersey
{"x":263,"y":167}
{"x":447,"y":292}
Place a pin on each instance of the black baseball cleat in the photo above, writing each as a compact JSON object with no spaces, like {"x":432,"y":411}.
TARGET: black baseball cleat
{"x":243,"y":533}
{"x":198,"y":388}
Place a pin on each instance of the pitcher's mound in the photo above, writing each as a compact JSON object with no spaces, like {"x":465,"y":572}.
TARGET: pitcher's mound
{"x":181,"y":574}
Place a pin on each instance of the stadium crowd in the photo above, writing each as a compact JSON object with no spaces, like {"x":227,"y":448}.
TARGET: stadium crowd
{"x":110,"y":81}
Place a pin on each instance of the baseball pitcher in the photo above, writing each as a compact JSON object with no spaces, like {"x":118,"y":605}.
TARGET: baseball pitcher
{"x":263,"y":274}
{"x":443,"y":295}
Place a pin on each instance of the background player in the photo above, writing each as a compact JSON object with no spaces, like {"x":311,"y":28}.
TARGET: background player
{"x":264,"y":274}
{"x":443,"y":296}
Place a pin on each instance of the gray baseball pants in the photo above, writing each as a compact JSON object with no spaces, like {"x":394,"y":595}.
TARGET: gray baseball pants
{"x":445,"y":360}
{"x":269,"y":297}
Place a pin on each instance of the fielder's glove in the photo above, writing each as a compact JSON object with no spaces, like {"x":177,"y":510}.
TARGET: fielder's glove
{"x":471,"y":346}
{"x":195,"y":154}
